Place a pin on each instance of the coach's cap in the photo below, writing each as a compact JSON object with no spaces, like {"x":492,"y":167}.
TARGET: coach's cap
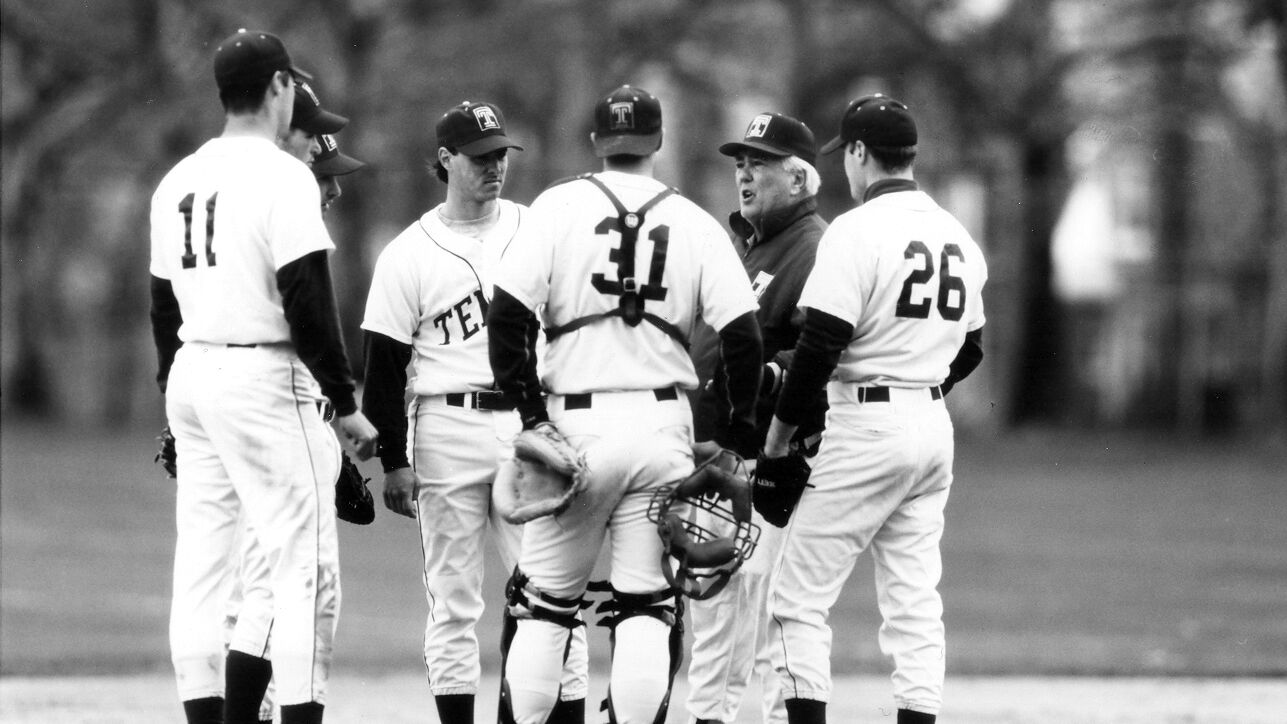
{"x":309,"y":116}
{"x":330,"y":162}
{"x":473,"y":129}
{"x":247,"y":56}
{"x":627,"y":121}
{"x":778,"y":135}
{"x":876,"y":120}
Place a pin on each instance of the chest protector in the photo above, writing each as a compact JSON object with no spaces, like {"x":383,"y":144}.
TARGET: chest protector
{"x":630,"y":305}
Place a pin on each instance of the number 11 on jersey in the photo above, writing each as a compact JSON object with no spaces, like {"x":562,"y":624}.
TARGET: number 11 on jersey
{"x":185,"y":208}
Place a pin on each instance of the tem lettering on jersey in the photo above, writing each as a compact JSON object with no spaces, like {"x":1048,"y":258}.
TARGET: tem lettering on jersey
{"x":622,"y":115}
{"x":467,"y":316}
{"x":759,"y":126}
{"x":486,"y":119}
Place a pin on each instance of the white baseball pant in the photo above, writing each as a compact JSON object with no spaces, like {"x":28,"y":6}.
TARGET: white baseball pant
{"x":633,"y":443}
{"x":456,"y":454}
{"x":881,"y":479}
{"x":730,"y":639}
{"x":249,"y":436}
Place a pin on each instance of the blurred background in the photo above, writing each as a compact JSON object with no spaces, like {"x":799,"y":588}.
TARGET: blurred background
{"x":1123,"y":164}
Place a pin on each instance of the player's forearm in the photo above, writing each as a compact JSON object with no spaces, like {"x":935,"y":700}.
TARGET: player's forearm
{"x":817,"y":353}
{"x":967,"y":359}
{"x":166,"y":320}
{"x":511,"y":348}
{"x":382,"y":397}
{"x":308,"y":301}
{"x":741,"y":350}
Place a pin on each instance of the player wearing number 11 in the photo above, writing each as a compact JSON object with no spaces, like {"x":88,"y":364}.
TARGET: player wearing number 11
{"x":249,"y":346}
{"x":894,"y":318}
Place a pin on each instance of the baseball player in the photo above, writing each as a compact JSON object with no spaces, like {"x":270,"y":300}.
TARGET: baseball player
{"x":776,"y":232}
{"x":328,"y":165}
{"x":249,"y":349}
{"x":250,"y":606}
{"x":428,"y":307}
{"x":894,"y":317}
{"x":620,"y":268}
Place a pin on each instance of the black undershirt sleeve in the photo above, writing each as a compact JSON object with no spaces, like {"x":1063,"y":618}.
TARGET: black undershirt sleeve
{"x":382,"y":397}
{"x":741,"y":350}
{"x":308,"y":300}
{"x":166,"y":320}
{"x":967,"y":359}
{"x":511,"y":348}
{"x":817,"y":353}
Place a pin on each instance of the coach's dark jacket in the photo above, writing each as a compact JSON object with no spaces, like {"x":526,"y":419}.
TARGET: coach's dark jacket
{"x":777,"y":266}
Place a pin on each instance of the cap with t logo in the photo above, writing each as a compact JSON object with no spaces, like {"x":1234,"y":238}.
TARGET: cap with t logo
{"x":627,"y":121}
{"x":474,"y":129}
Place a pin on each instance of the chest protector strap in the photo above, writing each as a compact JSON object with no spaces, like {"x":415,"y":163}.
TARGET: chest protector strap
{"x":630,"y":307}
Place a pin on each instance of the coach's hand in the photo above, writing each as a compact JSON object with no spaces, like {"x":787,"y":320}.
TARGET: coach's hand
{"x":400,"y":491}
{"x":360,"y":433}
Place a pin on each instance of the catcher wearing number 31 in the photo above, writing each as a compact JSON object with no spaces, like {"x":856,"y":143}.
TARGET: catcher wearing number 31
{"x":894,"y":318}
{"x":619,"y":268}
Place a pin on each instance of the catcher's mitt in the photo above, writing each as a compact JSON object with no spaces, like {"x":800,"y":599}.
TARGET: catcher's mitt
{"x":779,"y":483}
{"x":353,"y":502}
{"x":166,"y":455}
{"x":542,"y":478}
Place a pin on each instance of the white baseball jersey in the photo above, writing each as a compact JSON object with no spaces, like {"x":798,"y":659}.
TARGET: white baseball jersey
{"x":684,"y":266}
{"x":909,"y":278}
{"x":220,"y":234}
{"x":431,"y":289}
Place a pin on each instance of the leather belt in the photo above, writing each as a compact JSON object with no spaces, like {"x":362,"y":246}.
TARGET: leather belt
{"x":480,"y":400}
{"x":881,"y":394}
{"x":584,"y":400}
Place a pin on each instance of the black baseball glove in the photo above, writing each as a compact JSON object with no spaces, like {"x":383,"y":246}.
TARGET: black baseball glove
{"x":166,"y":455}
{"x":353,"y":501}
{"x":779,"y":483}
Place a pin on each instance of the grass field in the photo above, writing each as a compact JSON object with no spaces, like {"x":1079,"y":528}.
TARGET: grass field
{"x":1066,"y":555}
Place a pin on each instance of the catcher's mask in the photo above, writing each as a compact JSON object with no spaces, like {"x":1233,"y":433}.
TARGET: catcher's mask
{"x":704,"y":522}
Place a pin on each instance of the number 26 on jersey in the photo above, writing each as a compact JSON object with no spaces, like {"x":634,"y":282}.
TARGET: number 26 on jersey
{"x":950,"y":306}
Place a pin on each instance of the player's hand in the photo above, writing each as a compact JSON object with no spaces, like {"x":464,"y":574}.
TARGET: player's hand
{"x":360,"y":433}
{"x":400,"y":491}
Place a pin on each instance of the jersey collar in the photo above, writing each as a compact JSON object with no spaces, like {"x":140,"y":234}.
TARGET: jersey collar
{"x":888,"y":186}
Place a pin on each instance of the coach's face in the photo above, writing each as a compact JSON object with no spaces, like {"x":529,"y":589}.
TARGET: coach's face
{"x":763,"y":185}
{"x":478,"y":178}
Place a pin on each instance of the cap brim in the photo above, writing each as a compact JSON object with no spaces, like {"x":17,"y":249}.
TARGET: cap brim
{"x":487,"y":145}
{"x":735,"y":147}
{"x":323,"y":122}
{"x":337,"y":165}
{"x":627,"y":145}
{"x":300,"y":74}
{"x":831,"y":145}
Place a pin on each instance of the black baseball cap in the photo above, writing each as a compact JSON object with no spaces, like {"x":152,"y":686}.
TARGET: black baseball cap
{"x":248,"y":56}
{"x":778,"y":135}
{"x":474,"y":129}
{"x":627,"y":121}
{"x":330,"y":162}
{"x":876,"y":120}
{"x":309,"y":116}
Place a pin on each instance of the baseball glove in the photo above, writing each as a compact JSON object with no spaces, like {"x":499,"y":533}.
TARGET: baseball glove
{"x":542,"y":478}
{"x":166,"y":455}
{"x":779,"y":483}
{"x":353,"y":502}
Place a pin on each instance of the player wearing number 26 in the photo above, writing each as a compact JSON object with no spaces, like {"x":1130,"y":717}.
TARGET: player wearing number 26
{"x":248,"y":342}
{"x":893,"y":318}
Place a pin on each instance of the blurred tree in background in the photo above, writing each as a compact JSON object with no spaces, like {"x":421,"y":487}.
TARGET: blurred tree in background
{"x":1123,"y":164}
